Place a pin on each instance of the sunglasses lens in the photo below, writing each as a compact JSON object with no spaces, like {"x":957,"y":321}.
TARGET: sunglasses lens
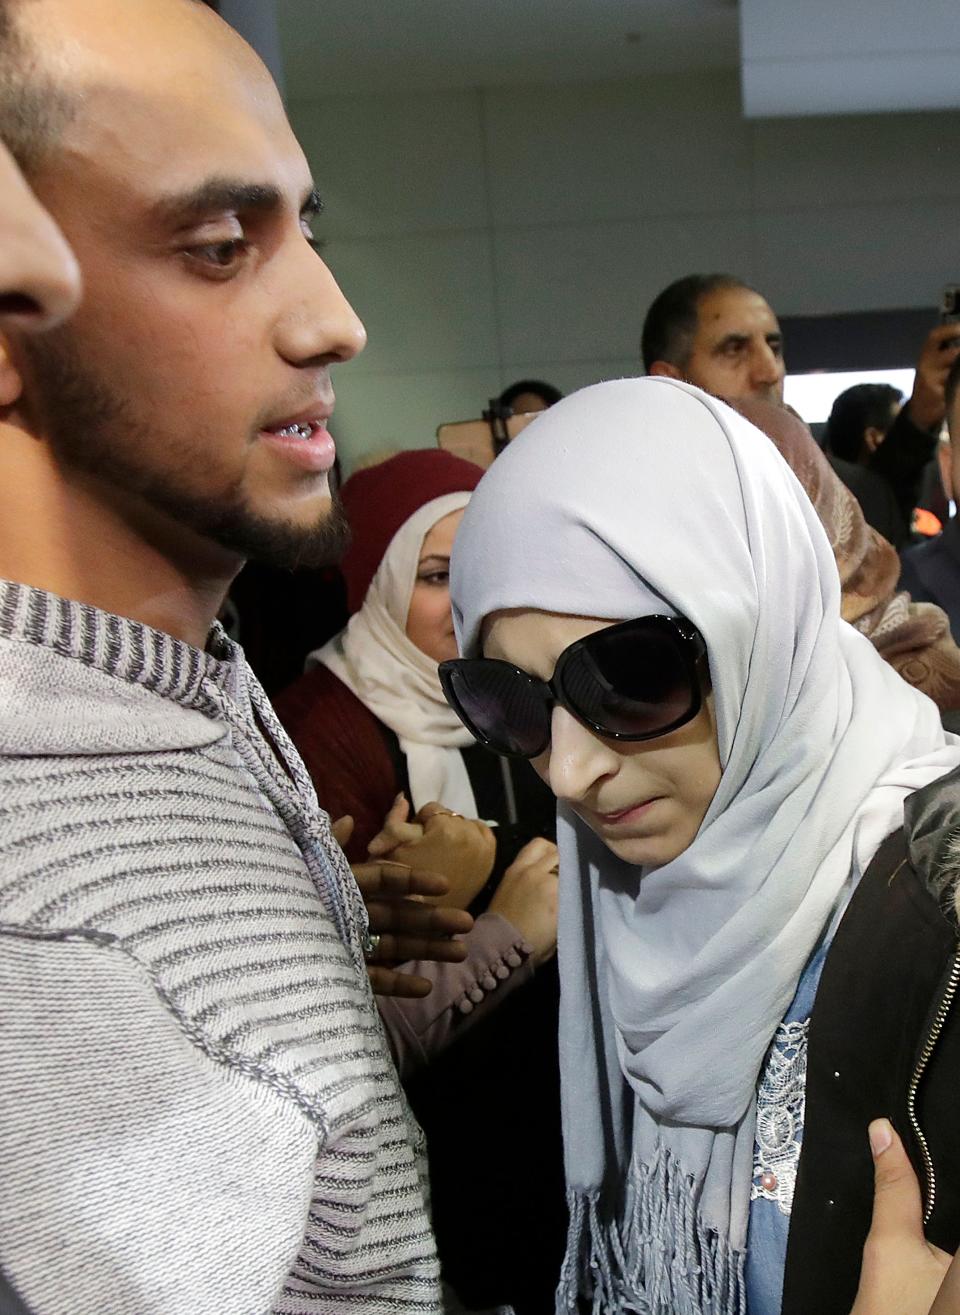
{"x":500,"y":703}
{"x":633,"y":681}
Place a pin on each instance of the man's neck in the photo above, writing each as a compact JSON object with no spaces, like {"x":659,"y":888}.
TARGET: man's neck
{"x":61,"y":534}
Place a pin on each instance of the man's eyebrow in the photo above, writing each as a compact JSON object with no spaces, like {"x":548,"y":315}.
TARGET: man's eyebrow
{"x":731,"y":340}
{"x":222,"y":195}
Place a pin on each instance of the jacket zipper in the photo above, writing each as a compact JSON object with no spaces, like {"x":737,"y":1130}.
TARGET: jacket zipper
{"x":928,"y":1047}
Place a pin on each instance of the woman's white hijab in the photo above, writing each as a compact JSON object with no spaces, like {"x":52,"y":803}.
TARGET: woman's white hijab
{"x":394,"y":679}
{"x":674,"y":980}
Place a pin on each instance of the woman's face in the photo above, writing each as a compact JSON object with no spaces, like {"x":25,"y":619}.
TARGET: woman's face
{"x":429,"y":620}
{"x":644,"y":800}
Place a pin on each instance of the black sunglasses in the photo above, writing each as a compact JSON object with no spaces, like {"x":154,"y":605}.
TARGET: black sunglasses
{"x":632,"y":681}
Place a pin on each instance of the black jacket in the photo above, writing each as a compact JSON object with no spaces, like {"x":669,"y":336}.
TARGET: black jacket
{"x":884,"y":1041}
{"x":930,"y":573}
{"x":888,"y":485}
{"x":878,"y":502}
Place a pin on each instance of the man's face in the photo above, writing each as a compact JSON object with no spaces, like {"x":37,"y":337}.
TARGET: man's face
{"x":738,"y":347}
{"x":39,"y":278}
{"x":192,"y":389}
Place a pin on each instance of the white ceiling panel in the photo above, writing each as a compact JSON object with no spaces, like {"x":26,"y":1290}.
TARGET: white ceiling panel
{"x":849,"y":56}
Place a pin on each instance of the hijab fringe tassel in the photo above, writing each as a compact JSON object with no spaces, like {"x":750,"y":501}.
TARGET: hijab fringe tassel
{"x":678,"y":1267}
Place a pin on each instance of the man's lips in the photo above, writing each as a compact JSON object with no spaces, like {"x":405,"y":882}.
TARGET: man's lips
{"x":319,"y":410}
{"x":303,"y":438}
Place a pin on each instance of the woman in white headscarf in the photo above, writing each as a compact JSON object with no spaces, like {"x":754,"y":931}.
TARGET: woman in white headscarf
{"x":648,"y":608}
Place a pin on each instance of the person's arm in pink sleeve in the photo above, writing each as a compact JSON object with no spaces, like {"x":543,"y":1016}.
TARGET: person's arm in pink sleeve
{"x":498,"y":960}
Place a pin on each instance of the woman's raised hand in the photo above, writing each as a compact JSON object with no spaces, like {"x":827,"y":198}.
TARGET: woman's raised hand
{"x":462,"y":849}
{"x":902,"y":1273}
{"x":527,"y":897}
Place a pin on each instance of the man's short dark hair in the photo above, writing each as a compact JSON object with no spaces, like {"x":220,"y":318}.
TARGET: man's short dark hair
{"x":547,"y":392}
{"x":952,"y":386}
{"x":34,"y":111}
{"x":671,"y":322}
{"x":862,"y":407}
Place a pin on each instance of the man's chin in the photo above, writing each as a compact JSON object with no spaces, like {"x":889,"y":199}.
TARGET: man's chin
{"x":281,"y":544}
{"x":95,"y":430}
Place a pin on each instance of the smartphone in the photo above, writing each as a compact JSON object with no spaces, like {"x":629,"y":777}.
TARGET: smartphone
{"x":950,"y":305}
{"x":473,"y":440}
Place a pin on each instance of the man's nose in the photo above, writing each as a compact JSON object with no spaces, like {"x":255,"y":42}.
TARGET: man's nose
{"x":39,"y":276}
{"x":321,"y":327}
{"x":578,"y":758}
{"x":767,"y":366}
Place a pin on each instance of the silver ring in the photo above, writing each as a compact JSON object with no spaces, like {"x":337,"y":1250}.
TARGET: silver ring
{"x":370,"y":944}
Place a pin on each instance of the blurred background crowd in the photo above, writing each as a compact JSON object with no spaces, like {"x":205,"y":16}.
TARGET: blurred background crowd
{"x":510,"y":191}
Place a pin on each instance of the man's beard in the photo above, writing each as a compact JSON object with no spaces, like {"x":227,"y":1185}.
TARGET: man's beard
{"x":93,"y":430}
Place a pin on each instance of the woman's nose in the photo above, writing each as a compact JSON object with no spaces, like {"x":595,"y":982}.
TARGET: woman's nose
{"x":578,"y":758}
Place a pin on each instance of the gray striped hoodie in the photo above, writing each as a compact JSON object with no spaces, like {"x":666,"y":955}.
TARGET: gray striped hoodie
{"x":198,"y":1113}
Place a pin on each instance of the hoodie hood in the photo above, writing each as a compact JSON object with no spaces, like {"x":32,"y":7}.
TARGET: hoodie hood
{"x":75,"y":680}
{"x":932,"y":824}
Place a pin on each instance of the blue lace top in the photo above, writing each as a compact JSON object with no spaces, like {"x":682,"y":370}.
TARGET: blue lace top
{"x":780,"y":1101}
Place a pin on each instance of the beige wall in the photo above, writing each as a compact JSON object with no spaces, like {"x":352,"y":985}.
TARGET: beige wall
{"x":487,"y":235}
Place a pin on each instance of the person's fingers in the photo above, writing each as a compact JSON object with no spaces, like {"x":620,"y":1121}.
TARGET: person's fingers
{"x":428,"y":884}
{"x":901,"y":1272}
{"x":390,"y":981}
{"x":393,"y":837}
{"x":399,"y":811}
{"x":410,"y":917}
{"x":390,"y":880}
{"x":382,"y":878}
{"x":394,"y":949}
{"x":342,"y":830}
{"x":897,"y":1206}
{"x":433,"y":809}
{"x":537,"y":856}
{"x":396,"y":829}
{"x":538,"y":851}
{"x":432,"y":816}
{"x":944,"y":333}
{"x":452,"y":825}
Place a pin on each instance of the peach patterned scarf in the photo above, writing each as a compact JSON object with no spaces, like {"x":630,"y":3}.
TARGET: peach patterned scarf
{"x":913,"y":637}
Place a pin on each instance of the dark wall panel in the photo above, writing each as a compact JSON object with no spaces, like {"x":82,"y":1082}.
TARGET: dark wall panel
{"x":867,"y":340}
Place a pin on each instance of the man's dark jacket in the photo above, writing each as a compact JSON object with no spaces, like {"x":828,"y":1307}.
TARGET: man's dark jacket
{"x":930,"y":573}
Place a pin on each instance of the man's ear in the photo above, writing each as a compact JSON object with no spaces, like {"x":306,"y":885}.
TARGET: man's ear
{"x":872,"y":438}
{"x":666,"y":370}
{"x":11,"y":380}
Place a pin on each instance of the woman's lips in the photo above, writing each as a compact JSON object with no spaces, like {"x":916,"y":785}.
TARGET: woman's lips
{"x":630,"y":814}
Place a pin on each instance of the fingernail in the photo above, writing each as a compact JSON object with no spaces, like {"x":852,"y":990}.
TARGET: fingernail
{"x":399,"y":797}
{"x":880,"y":1133}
